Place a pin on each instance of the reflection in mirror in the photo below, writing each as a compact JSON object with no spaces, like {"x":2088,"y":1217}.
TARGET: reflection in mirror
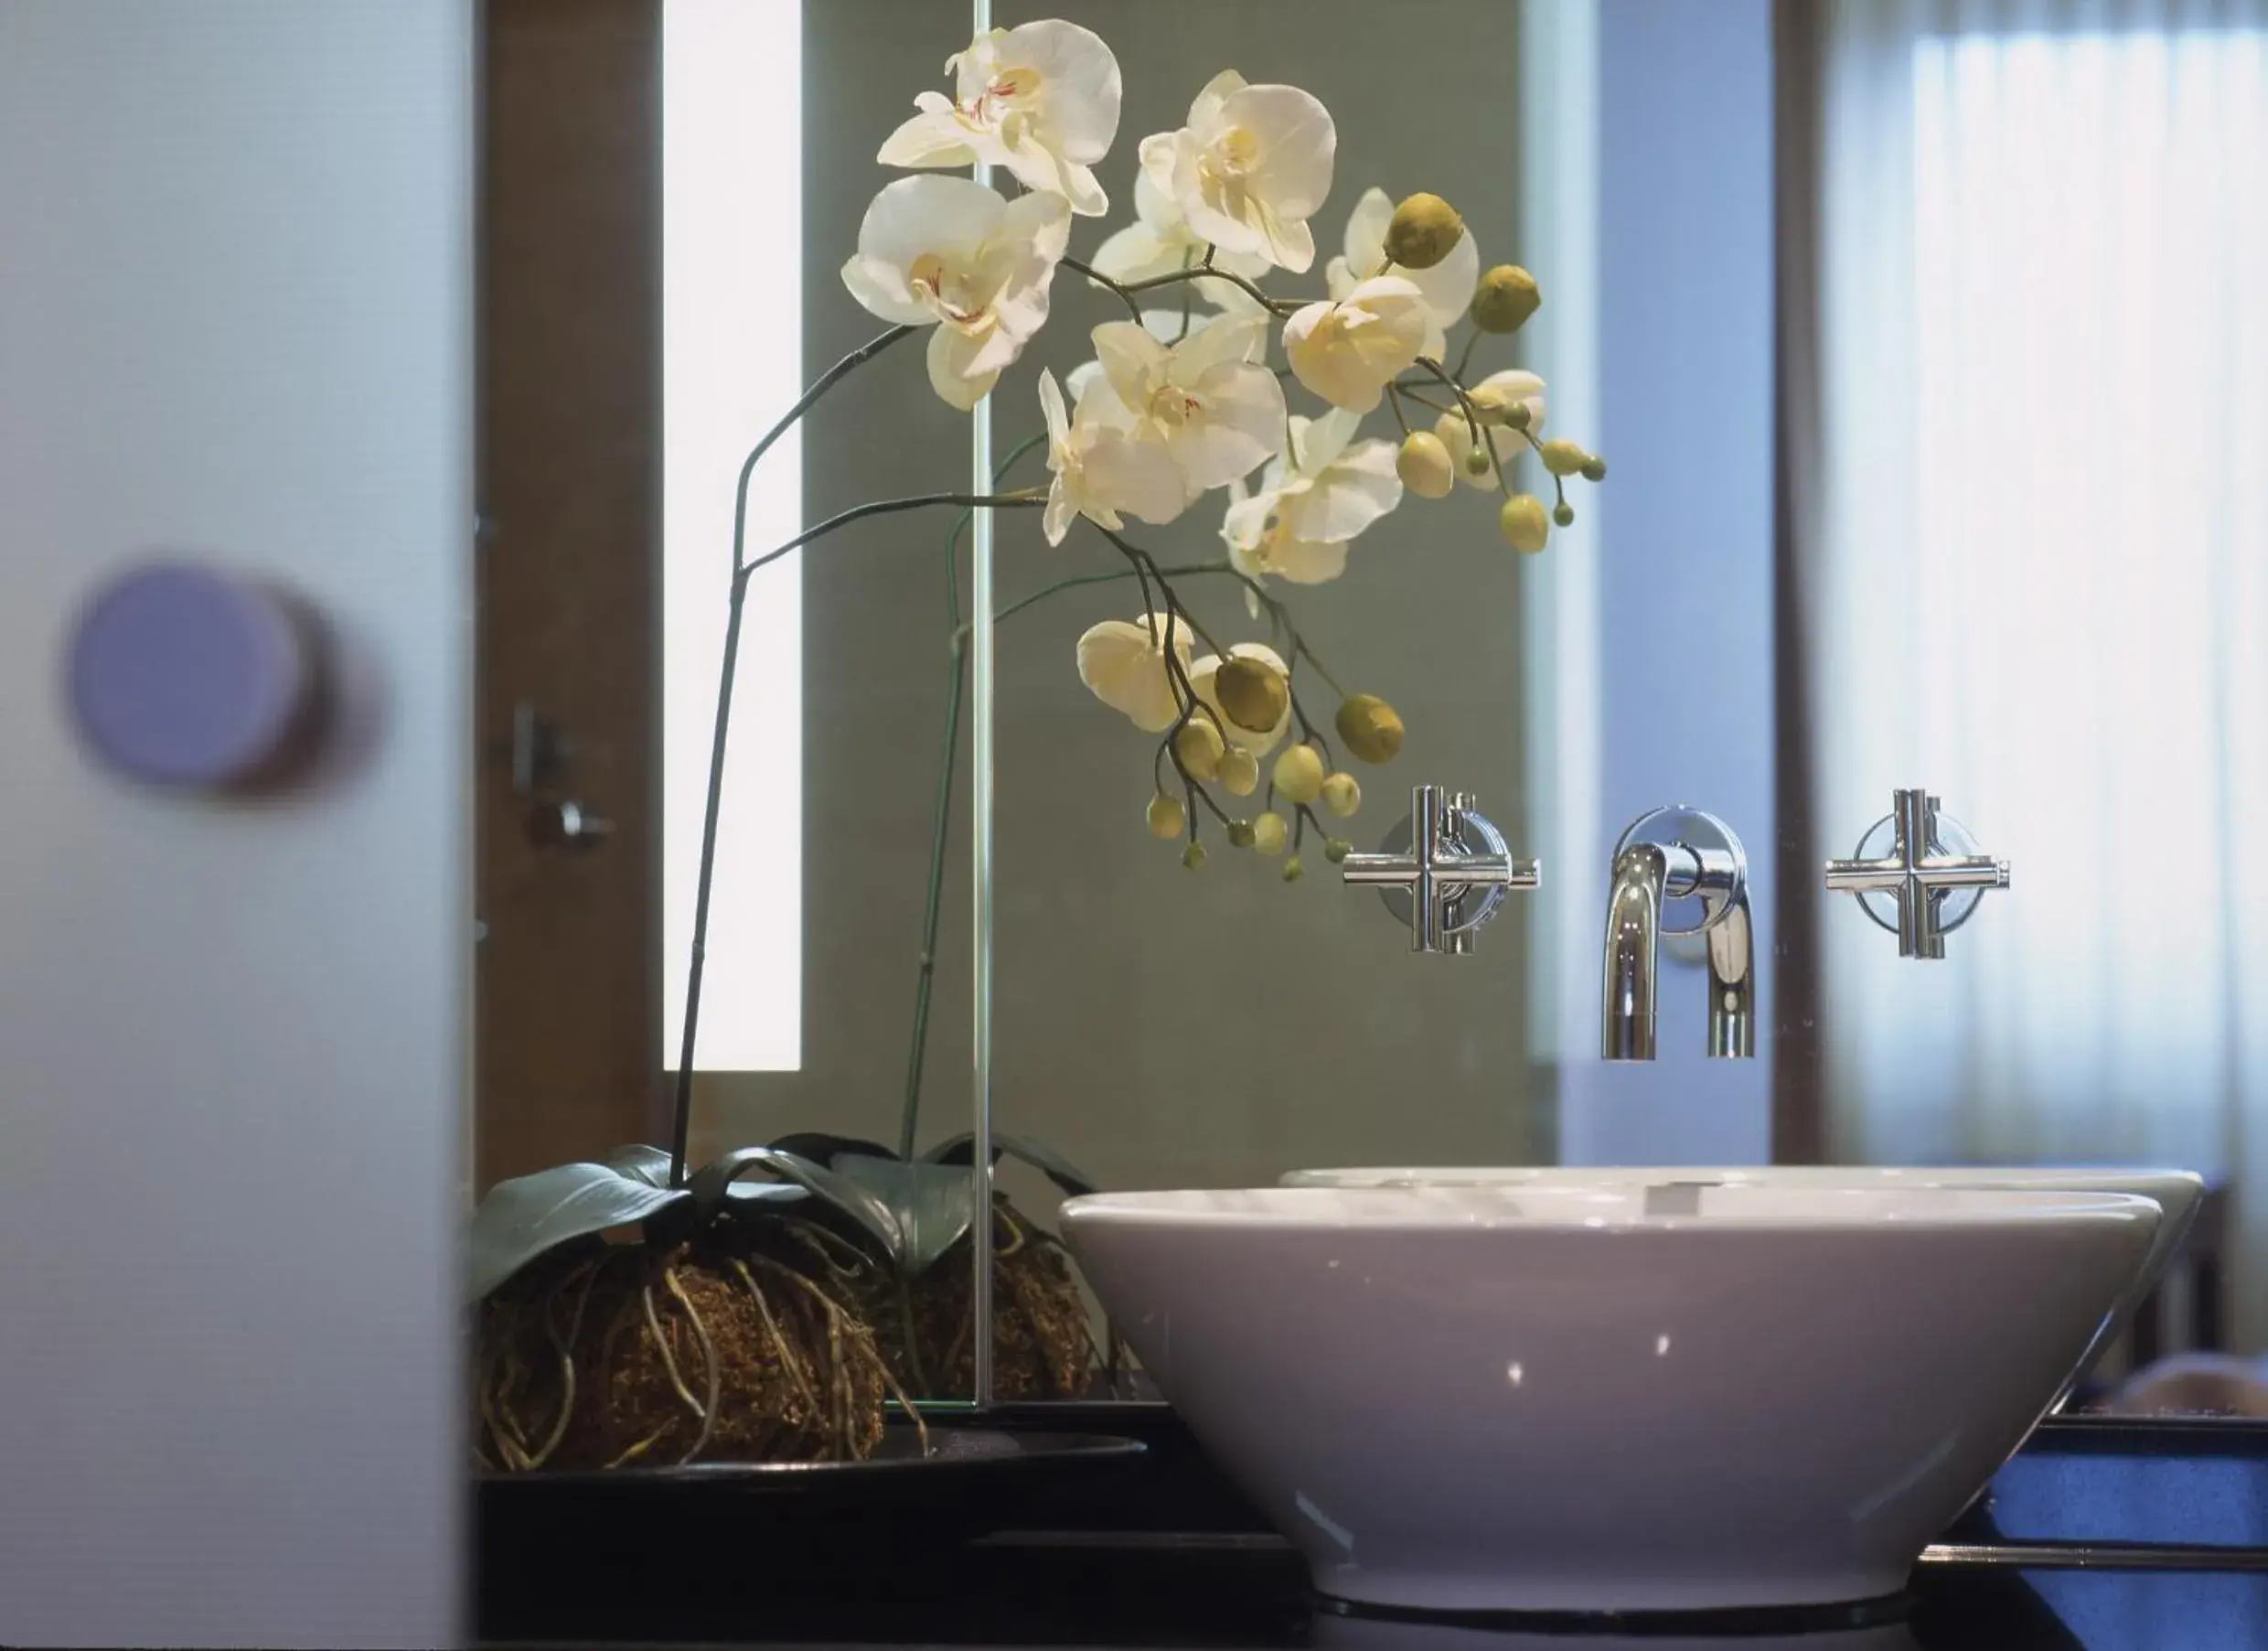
{"x":2030,"y":508}
{"x":1165,"y":1025}
{"x":2021,"y":392}
{"x":1923,"y":349}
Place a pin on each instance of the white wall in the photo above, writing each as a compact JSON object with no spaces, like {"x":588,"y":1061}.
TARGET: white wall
{"x":234,"y":312}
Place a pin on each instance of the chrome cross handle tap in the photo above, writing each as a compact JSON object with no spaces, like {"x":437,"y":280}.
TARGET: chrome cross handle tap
{"x":1445,"y":868}
{"x":1925,"y":866}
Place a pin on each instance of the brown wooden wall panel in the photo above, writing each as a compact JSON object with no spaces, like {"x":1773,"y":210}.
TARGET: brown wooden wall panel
{"x":569,"y":1057}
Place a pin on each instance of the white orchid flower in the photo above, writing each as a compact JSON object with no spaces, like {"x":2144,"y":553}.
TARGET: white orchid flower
{"x":1124,"y":665}
{"x":1100,"y":471}
{"x":1323,"y":492}
{"x":950,"y":252}
{"x":1348,"y":349}
{"x":1447,"y":288}
{"x":1493,"y":398}
{"x":1252,"y":166}
{"x":1200,"y":677}
{"x":1041,"y":99}
{"x":1160,"y":242}
{"x":1260,"y":544}
{"x":1170,"y":327}
{"x":1218,"y":413}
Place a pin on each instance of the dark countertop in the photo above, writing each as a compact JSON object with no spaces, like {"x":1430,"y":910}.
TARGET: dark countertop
{"x":1004,"y":1594}
{"x":2089,"y":1543}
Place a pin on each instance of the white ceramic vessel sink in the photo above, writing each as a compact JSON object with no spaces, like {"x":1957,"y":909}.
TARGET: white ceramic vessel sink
{"x":1329,"y":1631}
{"x":1609,"y":1398}
{"x":2178,"y":1194}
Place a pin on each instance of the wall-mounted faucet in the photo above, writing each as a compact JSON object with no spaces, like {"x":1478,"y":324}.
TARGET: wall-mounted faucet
{"x":1918,"y":873}
{"x":1445,"y":869}
{"x":1672,"y":854}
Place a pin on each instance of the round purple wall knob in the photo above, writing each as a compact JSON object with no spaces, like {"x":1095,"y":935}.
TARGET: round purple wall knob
{"x":182,"y":675}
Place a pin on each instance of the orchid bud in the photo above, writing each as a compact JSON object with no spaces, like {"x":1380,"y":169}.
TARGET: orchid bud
{"x":1200,"y":747}
{"x":1293,"y":870}
{"x":1491,"y":401}
{"x":1423,"y":464}
{"x":1298,"y":773}
{"x":1269,"y":832}
{"x":1370,"y":727}
{"x":1240,"y":772}
{"x":1478,"y":460}
{"x":1166,"y":819}
{"x":1194,"y":855}
{"x":1504,"y":299}
{"x":1563,"y":513}
{"x":1425,"y":229}
{"x":1594,"y":468}
{"x":1523,"y":522}
{"x":1240,"y":834}
{"x":1253,"y":692}
{"x":1336,"y":848}
{"x":1562,"y":457}
{"x":1343,"y":794}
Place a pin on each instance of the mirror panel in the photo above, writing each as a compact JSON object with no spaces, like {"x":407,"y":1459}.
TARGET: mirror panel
{"x":1921,"y":352}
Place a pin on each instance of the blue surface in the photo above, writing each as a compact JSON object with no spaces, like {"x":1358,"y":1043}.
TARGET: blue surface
{"x":185,"y":676}
{"x":1685,"y":552}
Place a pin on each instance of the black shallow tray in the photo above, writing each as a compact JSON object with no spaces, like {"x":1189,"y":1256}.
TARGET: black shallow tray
{"x":705,"y":1551}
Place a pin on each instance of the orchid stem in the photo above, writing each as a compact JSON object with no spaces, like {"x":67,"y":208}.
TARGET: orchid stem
{"x":682,"y":1102}
{"x":681,"y":1120}
{"x":819,"y":387}
{"x":1126,"y":290}
{"x":1464,"y":356}
{"x":1142,"y":560}
{"x":941,"y":826}
{"x":1299,"y":647}
{"x":1473,"y":419}
{"x":1394,"y":401}
{"x":883,"y":507}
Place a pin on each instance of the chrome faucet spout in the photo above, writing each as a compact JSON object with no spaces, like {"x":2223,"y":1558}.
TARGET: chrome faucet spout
{"x":1732,"y":982}
{"x":1673,"y":853}
{"x":1632,"y":953}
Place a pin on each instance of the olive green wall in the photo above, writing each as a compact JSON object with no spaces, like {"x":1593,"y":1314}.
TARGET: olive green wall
{"x":1159,"y":1026}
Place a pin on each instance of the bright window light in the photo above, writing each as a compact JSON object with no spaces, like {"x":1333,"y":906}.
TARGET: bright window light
{"x":731,"y":360}
{"x":2044,"y":508}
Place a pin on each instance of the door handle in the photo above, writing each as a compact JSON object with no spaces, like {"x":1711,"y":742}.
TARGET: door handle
{"x":565,"y":824}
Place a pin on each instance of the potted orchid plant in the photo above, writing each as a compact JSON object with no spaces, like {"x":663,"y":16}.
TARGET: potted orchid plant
{"x":771,"y":1303}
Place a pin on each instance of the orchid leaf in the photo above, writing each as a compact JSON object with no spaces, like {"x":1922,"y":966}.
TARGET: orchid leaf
{"x":651,"y":1165}
{"x":797,"y":1176}
{"x":824,"y":1149}
{"x":1065,"y":1173}
{"x":932,"y":1204}
{"x":531,"y":1216}
{"x":647,"y":1163}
